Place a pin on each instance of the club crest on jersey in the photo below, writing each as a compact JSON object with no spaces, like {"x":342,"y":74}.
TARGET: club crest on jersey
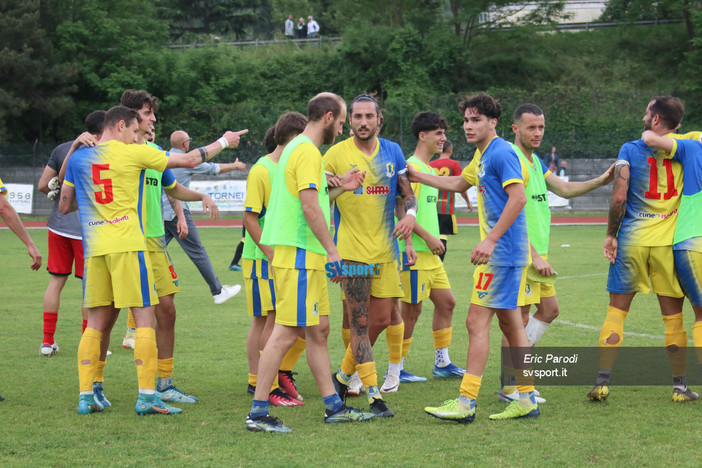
{"x":389,"y":169}
{"x":481,"y":169}
{"x":315,"y":309}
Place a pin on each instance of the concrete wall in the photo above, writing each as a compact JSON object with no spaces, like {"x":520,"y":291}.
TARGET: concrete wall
{"x":578,"y":170}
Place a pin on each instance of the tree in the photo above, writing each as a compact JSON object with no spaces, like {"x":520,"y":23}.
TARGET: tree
{"x":35,"y":85}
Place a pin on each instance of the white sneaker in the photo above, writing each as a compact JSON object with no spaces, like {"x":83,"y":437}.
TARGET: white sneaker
{"x":514,"y":396}
{"x":391,"y":384}
{"x":49,"y":350}
{"x":129,"y":337}
{"x":227,"y":293}
{"x":355,"y":385}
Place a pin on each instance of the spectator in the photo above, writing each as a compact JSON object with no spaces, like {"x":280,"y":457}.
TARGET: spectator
{"x":289,"y":27}
{"x":301,"y":29}
{"x":551,"y":160}
{"x":562,"y":169}
{"x":312,"y":27}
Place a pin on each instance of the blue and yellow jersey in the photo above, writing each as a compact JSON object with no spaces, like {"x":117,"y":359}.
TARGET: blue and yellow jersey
{"x":109,"y":181}
{"x":688,"y":229}
{"x":3,"y":189}
{"x":653,"y":198}
{"x":258,"y":193}
{"x":364,"y":219}
{"x":491,"y":171}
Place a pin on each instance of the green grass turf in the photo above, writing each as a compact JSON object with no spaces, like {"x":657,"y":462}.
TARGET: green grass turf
{"x":638,"y":426}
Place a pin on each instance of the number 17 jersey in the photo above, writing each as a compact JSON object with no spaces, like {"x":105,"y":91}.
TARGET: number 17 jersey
{"x":653,"y":198}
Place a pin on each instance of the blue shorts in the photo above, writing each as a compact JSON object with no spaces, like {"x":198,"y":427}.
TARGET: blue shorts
{"x":498,"y":287}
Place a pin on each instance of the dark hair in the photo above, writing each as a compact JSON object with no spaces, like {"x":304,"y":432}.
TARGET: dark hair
{"x":269,"y":139}
{"x":448,"y":146}
{"x":288,"y":126}
{"x":323,"y":103}
{"x":117,"y":113}
{"x":95,"y":122}
{"x":527,"y":109}
{"x":365,"y":98}
{"x":136,"y":99}
{"x":427,"y":121}
{"x":483,"y":103}
{"x":670,"y":110}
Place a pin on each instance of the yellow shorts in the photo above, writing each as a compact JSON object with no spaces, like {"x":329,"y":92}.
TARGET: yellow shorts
{"x":388,"y":283}
{"x":165,"y":276}
{"x":248,"y":267}
{"x":260,"y":296}
{"x":301,"y":295}
{"x":418,"y":284}
{"x":640,"y":269}
{"x":498,"y":287}
{"x":124,"y":278}
{"x":534,"y":291}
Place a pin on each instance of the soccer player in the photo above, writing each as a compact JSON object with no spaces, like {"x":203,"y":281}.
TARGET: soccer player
{"x":166,"y":278}
{"x":528,"y":127}
{"x":687,"y":241}
{"x":639,"y":244}
{"x":258,"y":280}
{"x":297,"y":227}
{"x":427,"y":279}
{"x":13,"y":221}
{"x":65,"y":244}
{"x":445,"y":166}
{"x":186,"y":233}
{"x":365,"y":230}
{"x":501,"y":255}
{"x":105,"y":182}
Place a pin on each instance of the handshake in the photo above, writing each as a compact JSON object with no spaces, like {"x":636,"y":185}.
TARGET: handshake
{"x":54,"y":188}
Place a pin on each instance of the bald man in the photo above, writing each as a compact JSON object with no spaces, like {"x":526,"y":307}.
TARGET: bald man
{"x":184,"y":231}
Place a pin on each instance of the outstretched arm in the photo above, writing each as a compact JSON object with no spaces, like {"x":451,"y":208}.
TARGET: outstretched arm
{"x":445,"y":183}
{"x":575,"y":189}
{"x":13,"y":221}
{"x":405,"y":226}
{"x":179,"y":192}
{"x":201,"y":155}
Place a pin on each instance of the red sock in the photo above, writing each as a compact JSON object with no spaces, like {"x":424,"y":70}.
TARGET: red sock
{"x":85,"y":324}
{"x":50,"y":319}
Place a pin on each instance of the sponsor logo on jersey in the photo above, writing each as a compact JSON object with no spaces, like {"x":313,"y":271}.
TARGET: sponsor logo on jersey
{"x":378,"y":189}
{"x":389,"y":169}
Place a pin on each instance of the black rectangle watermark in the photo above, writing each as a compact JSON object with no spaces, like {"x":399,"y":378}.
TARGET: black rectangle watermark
{"x":579,"y":366}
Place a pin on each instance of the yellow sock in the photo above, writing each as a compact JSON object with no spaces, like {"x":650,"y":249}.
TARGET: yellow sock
{"x":293,"y":355}
{"x":470,"y":385}
{"x":676,"y":343}
{"x":697,"y":339}
{"x":130,"y":320}
{"x":165,"y":368}
{"x":406,"y":343}
{"x":346,"y":336}
{"x":88,"y":355}
{"x":442,"y":338}
{"x":348,"y":365}
{"x":525,"y":383}
{"x":253,"y":378}
{"x":145,"y":357}
{"x":611,"y":336}
{"x":100,"y":372}
{"x":394,"y":334}
{"x":368,"y":374}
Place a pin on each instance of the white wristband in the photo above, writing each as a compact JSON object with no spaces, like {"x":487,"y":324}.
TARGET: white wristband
{"x":223,"y":141}
{"x":411,"y":212}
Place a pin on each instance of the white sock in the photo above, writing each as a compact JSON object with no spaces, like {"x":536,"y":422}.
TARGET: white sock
{"x":402,"y":363}
{"x":535,"y":329}
{"x":441,"y":357}
{"x":394,"y":369}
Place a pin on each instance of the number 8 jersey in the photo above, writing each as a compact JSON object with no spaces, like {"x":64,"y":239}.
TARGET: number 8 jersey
{"x":109,"y":182}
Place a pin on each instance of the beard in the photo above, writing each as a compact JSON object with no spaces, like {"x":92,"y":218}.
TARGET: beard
{"x":329,"y":134}
{"x":647,"y":124}
{"x":371,"y":133}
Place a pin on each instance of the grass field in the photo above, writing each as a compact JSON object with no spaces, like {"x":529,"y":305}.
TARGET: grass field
{"x":637,"y":426}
